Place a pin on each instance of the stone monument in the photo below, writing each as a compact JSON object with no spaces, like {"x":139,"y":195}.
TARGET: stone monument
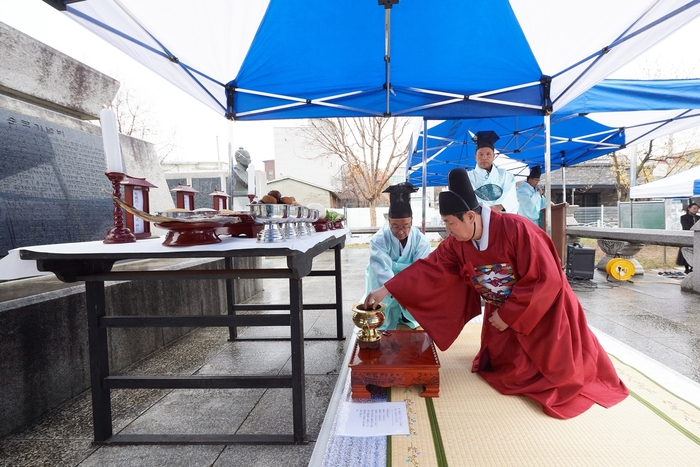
{"x":239,"y":173}
{"x":52,"y":162}
{"x":240,"y":177}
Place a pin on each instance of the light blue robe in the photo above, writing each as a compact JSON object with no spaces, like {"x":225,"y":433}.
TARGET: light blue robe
{"x":385,"y":260}
{"x":501,"y":178}
{"x":531,"y":202}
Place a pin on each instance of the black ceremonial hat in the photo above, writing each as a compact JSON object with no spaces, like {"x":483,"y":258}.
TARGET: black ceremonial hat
{"x":535,"y":172}
{"x":486,"y":139}
{"x":400,"y":200}
{"x":460,"y":197}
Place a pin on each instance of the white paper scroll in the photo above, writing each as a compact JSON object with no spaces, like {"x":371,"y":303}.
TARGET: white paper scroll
{"x":139,"y":226}
{"x":373,"y":419}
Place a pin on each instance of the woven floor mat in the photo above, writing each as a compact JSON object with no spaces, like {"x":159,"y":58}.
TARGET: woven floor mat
{"x":476,"y":425}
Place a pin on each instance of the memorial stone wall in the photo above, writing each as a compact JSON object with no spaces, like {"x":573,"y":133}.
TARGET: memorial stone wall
{"x":52,"y":183}
{"x":205,"y":186}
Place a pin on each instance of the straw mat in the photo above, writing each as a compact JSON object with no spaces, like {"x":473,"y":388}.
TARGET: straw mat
{"x":473,"y":424}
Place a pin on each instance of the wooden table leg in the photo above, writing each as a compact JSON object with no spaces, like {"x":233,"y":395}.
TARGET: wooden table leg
{"x":99,"y":361}
{"x":298,"y":374}
{"x":431,"y":391}
{"x":360,"y":392}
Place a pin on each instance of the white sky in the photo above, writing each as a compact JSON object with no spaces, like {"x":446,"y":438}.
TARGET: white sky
{"x":198,"y":126}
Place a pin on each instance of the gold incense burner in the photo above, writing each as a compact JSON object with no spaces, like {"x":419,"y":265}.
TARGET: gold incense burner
{"x":368,"y":321}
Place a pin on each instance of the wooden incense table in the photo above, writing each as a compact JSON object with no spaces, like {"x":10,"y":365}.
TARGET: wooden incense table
{"x":404,"y":358}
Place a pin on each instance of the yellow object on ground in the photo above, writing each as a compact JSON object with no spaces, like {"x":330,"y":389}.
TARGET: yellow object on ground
{"x":620,"y":268}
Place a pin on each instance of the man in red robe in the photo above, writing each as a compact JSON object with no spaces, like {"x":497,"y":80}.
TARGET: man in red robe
{"x":535,"y":340}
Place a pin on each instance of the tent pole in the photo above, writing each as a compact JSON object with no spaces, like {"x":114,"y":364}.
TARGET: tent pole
{"x":633,"y":179}
{"x":547,"y":177}
{"x":425,"y":172}
{"x":387,"y":58}
{"x":563,"y":182}
{"x":231,"y":163}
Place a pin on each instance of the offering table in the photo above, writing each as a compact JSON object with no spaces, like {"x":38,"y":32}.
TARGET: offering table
{"x":92,"y":263}
{"x":403,"y":358}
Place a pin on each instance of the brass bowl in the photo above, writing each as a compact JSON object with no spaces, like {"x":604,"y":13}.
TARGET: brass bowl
{"x":368,"y":321}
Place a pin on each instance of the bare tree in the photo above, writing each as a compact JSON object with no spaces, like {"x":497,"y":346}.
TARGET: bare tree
{"x":372,"y":149}
{"x":666,"y":154}
{"x":654,"y":158}
{"x":135,"y":119}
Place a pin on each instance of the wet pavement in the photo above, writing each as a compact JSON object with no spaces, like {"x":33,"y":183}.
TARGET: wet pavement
{"x":650,"y":314}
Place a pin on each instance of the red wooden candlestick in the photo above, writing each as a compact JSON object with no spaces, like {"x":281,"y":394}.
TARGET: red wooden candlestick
{"x":119,"y":234}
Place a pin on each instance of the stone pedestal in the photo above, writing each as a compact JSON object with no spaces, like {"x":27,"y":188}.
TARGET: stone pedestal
{"x":687,"y":253}
{"x":691,"y":282}
{"x":621,"y":249}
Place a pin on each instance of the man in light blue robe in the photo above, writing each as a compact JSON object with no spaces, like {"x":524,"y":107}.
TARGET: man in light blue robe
{"x":392,"y":249}
{"x":530,"y":198}
{"x":493,"y":186}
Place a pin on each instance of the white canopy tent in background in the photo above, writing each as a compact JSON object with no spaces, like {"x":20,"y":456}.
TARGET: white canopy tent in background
{"x":685,"y":184}
{"x":447,"y":59}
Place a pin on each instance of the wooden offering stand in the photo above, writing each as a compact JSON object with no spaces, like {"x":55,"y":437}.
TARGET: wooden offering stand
{"x":247,"y":227}
{"x":404,"y":358}
{"x":321,"y":225}
{"x":118,"y":234}
{"x":190,"y":233}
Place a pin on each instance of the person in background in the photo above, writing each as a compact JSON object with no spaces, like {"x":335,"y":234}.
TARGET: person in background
{"x":530,"y":196}
{"x":535,"y":340}
{"x":688,"y":220}
{"x":392,"y":249}
{"x":493,"y":186}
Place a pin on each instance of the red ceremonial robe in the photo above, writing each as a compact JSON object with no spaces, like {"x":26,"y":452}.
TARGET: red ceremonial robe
{"x":548,"y":353}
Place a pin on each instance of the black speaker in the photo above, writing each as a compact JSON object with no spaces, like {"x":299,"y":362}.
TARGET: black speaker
{"x":580,"y":262}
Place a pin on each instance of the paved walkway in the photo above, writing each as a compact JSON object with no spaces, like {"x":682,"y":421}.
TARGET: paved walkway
{"x":651,"y":315}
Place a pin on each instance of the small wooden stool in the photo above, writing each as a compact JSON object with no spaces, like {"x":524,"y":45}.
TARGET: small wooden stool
{"x":404,"y":358}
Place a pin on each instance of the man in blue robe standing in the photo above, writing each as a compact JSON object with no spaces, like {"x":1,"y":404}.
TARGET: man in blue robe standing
{"x":493,"y":186}
{"x":530,"y":197}
{"x":392,"y":249}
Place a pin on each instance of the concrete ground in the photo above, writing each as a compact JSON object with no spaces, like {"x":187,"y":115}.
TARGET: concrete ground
{"x":651,"y":315}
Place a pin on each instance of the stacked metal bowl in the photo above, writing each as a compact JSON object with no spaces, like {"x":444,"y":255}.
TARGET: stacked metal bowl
{"x":271,"y":216}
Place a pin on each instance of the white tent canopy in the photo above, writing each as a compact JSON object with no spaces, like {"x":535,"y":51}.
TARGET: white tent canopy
{"x":272,"y":59}
{"x":681,"y":185}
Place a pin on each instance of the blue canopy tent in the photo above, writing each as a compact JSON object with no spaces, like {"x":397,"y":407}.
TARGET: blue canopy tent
{"x":278,"y":59}
{"x":610,"y":116}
